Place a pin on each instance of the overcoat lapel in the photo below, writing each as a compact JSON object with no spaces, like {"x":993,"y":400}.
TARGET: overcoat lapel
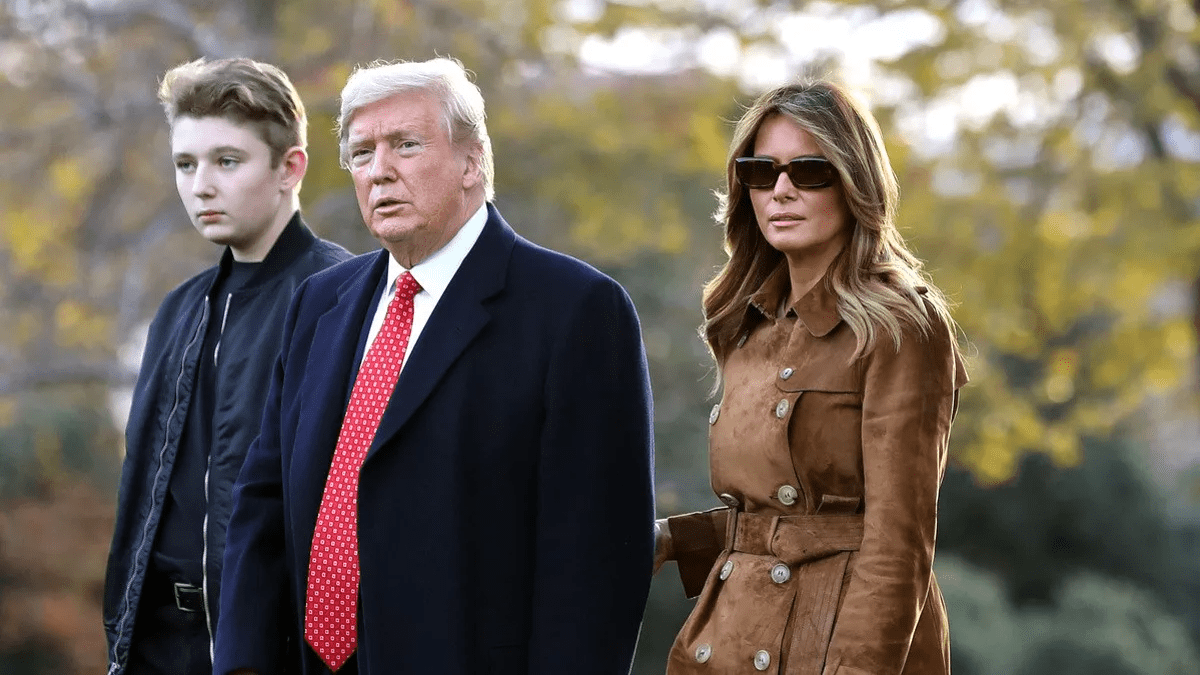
{"x":336,"y":339}
{"x":459,"y":316}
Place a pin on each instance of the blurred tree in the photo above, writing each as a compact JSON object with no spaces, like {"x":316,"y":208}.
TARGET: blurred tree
{"x":1096,"y":626}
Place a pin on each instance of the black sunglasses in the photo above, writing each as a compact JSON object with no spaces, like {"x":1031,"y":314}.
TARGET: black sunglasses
{"x":806,"y":173}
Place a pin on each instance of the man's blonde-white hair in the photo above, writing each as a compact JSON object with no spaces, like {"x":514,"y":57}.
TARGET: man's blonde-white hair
{"x":446,"y":79}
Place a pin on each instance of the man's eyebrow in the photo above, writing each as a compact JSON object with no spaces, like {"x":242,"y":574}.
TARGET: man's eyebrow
{"x":390,"y":136}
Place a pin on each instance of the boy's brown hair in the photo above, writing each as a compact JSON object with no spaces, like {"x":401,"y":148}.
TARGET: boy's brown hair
{"x":242,"y":90}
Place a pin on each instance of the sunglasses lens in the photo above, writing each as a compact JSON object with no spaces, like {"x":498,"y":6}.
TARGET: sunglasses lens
{"x":756,"y":173}
{"x":810,"y":172}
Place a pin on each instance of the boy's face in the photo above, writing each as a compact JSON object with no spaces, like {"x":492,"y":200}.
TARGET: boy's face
{"x":225,"y":179}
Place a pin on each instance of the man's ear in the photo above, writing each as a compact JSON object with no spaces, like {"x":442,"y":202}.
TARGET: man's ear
{"x":473,"y":173}
{"x":294,"y":165}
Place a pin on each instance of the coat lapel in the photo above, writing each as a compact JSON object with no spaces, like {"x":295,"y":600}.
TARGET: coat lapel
{"x":459,"y":316}
{"x":337,"y":338}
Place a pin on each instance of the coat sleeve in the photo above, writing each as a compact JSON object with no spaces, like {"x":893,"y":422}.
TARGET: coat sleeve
{"x":909,"y":400}
{"x":256,"y":612}
{"x":697,"y":539}
{"x":595,"y":500}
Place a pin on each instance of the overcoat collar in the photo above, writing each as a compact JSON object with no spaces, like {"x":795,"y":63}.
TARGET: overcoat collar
{"x":817,"y":309}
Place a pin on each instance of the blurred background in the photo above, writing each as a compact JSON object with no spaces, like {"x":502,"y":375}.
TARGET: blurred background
{"x":1049,"y":156}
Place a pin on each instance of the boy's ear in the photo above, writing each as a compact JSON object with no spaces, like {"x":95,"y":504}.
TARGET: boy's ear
{"x":294,"y":165}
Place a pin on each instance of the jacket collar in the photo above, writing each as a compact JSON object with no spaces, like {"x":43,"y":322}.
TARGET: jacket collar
{"x":817,"y":309}
{"x":293,"y":241}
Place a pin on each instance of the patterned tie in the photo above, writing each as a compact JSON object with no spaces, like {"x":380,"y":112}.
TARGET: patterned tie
{"x":331,"y":603}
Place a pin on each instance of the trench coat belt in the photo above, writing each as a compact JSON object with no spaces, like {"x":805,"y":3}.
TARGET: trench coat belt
{"x":818,"y":549}
{"x":797,"y":539}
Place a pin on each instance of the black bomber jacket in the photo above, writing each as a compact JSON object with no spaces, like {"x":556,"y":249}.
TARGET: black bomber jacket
{"x":251,"y":334}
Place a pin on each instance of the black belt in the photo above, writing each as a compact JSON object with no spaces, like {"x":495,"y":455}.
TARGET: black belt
{"x":189,"y":597}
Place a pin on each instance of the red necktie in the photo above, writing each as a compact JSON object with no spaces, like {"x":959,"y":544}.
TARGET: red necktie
{"x":331,"y":603}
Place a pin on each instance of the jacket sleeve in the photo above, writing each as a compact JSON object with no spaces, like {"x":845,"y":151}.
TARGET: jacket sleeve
{"x":595,"y":498}
{"x":256,"y":612}
{"x":697,"y":539}
{"x":909,"y":400}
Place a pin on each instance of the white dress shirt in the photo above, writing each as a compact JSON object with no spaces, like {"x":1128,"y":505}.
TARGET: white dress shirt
{"x":433,"y":274}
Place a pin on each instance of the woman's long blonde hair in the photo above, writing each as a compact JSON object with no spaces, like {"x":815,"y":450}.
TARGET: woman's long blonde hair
{"x":878,"y":282}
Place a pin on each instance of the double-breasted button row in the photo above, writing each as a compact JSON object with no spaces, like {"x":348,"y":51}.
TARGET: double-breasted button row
{"x":716,"y":412}
{"x":762,"y":658}
{"x":781,"y":408}
{"x":786,"y":373}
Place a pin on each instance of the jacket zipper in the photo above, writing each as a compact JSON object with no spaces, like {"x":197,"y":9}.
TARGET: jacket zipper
{"x":212,"y":641}
{"x":157,"y":475}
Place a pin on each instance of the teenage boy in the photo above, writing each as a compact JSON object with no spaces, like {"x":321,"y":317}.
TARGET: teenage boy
{"x":238,"y":138}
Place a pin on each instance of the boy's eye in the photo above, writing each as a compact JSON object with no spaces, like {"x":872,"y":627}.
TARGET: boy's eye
{"x":183,"y":164}
{"x":227,"y":162}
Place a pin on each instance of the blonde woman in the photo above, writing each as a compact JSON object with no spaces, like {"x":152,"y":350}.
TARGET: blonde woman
{"x":840,"y":371}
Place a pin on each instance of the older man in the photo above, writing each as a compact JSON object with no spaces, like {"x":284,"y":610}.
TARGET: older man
{"x":454,"y":471}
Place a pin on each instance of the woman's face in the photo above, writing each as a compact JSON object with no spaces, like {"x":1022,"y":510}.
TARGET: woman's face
{"x":809,"y":226}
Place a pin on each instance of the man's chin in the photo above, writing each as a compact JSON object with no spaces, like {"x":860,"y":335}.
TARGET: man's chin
{"x":216,"y":234}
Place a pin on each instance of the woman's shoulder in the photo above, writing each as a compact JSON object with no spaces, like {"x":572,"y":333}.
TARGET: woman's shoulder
{"x":924,"y":334}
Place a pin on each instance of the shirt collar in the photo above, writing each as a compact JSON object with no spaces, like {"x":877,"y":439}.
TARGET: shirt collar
{"x":435,"y":272}
{"x":817,"y":309}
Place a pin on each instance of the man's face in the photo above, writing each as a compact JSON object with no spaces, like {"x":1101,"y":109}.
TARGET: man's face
{"x":224,"y":176}
{"x":415,"y":187}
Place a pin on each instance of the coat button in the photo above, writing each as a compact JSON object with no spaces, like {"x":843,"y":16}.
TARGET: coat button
{"x":712,"y":416}
{"x":787,"y":495}
{"x":742,"y":340}
{"x":781,"y":408}
{"x":729,"y":500}
{"x":785,"y":373}
{"x":762,"y":660}
{"x":780,"y":573}
{"x":726,"y":570}
{"x":704,"y":652}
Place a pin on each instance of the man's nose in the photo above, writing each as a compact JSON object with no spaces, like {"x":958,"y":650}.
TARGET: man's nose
{"x":202,"y":181}
{"x":382,"y":168}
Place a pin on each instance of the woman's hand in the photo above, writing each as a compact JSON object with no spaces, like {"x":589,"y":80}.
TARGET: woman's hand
{"x":663,"y":550}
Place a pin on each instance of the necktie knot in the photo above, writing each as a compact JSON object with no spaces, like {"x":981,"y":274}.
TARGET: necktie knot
{"x":407,"y":287}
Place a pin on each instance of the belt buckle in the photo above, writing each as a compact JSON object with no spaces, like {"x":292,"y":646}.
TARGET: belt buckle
{"x":187,"y":597}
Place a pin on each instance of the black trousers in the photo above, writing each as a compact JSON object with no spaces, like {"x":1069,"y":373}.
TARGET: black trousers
{"x":167,"y":640}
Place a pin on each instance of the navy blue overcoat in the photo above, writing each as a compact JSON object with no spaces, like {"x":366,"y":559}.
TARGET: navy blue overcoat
{"x":506,"y":505}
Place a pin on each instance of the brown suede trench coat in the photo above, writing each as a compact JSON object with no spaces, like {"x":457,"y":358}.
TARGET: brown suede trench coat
{"x":824,"y":564}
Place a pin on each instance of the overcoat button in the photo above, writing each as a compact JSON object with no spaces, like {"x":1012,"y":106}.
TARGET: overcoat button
{"x":785,"y":373}
{"x":762,"y":660}
{"x":704,"y":653}
{"x":742,"y":340}
{"x":781,"y":408}
{"x":712,"y":416}
{"x":787,"y":495}
{"x":780,"y":573}
{"x":726,"y":570}
{"x":729,"y":500}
